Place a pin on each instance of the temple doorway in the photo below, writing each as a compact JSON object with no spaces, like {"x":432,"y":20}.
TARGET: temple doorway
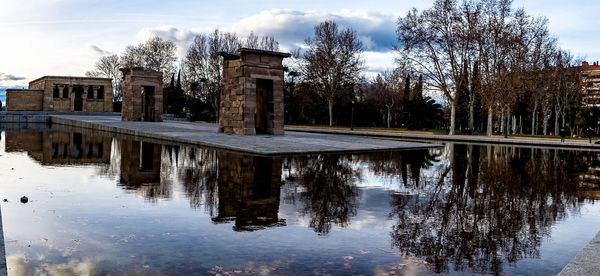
{"x":264,"y":95}
{"x":78,"y":101}
{"x":148,"y":103}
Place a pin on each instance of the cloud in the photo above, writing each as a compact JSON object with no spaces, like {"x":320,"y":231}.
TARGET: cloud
{"x":98,"y":51}
{"x":290,"y":27}
{"x":11,"y":81}
{"x":9,"y":77}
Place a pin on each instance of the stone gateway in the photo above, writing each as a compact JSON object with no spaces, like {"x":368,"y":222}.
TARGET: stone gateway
{"x":252,"y":97}
{"x":142,"y":95}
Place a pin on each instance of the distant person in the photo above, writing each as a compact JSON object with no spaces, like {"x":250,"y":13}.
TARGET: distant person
{"x":588,"y":133}
{"x":562,"y":132}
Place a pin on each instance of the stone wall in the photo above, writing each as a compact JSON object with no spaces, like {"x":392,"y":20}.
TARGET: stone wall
{"x":238,"y":107}
{"x":24,"y":100}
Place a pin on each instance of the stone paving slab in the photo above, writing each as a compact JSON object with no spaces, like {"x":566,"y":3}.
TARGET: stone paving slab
{"x":450,"y":138}
{"x":206,"y":135}
{"x":586,"y":262}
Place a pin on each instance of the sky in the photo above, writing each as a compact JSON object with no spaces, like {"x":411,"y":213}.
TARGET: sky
{"x":66,"y":37}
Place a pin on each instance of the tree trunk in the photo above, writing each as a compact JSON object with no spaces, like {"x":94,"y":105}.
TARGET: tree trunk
{"x":388,"y":116}
{"x":489,"y":122}
{"x":330,"y":106}
{"x":471,"y":111}
{"x":521,"y":124}
{"x":556,"y":129}
{"x":502,"y":122}
{"x":533,"y":119}
{"x":545,"y":122}
{"x":452,"y":116}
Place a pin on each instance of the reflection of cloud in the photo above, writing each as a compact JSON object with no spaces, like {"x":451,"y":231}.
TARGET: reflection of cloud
{"x":20,"y":264}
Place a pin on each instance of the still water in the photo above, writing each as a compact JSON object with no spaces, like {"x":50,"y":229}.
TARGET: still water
{"x":112,"y":205}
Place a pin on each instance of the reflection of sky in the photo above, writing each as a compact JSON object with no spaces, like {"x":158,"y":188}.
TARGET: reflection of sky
{"x":79,"y":221}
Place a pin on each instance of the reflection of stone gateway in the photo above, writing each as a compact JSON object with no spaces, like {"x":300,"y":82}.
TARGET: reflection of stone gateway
{"x":140,"y":163}
{"x":142,"y":95}
{"x":252,"y":98}
{"x":249,"y":191}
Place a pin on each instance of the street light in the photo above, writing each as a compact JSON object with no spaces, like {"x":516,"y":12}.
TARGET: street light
{"x":352,"y":117}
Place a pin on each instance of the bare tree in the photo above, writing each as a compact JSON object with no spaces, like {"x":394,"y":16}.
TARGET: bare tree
{"x":385,"y":92}
{"x":108,"y":66}
{"x":438,"y":43}
{"x":156,"y":54}
{"x":203,"y":66}
{"x":332,"y":61}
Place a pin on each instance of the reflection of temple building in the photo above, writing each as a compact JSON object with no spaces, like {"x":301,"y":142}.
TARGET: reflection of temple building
{"x":140,"y":168}
{"x":51,"y":148}
{"x":249,"y":190}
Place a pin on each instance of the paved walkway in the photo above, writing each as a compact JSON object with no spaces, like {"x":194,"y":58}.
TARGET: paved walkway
{"x":206,"y":135}
{"x":452,"y":138}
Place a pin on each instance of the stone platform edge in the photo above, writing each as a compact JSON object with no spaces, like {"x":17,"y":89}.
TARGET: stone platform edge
{"x":124,"y":131}
{"x":3,"y":268}
{"x":586,"y":262}
{"x":450,"y":138}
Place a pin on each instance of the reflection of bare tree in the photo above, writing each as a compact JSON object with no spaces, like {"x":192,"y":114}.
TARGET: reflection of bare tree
{"x":329,"y":191}
{"x":400,"y":163}
{"x":196,"y":169}
{"x":487,"y":208}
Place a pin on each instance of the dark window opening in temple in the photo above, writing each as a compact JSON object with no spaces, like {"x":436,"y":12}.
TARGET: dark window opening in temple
{"x":99,"y":150}
{"x":65,"y":92}
{"x":55,"y":91}
{"x":264,"y":89}
{"x":63,"y":150}
{"x":54,"y":150}
{"x":90,"y":92}
{"x":148,"y":103}
{"x":146,"y":156}
{"x":89,"y":151}
{"x":262,"y":178}
{"x":78,"y":101}
{"x":76,"y":152}
{"x":100,"y":92}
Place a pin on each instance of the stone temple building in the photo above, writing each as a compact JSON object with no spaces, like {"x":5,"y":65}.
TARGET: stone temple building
{"x":252,"y":98}
{"x":60,"y":93}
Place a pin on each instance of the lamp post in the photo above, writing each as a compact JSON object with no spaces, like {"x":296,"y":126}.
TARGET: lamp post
{"x":352,"y":117}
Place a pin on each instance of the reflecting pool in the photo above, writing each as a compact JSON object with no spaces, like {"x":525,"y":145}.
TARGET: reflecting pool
{"x":101,"y":205}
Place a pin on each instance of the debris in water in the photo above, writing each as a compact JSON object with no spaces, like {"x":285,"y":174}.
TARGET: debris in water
{"x":24,"y":199}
